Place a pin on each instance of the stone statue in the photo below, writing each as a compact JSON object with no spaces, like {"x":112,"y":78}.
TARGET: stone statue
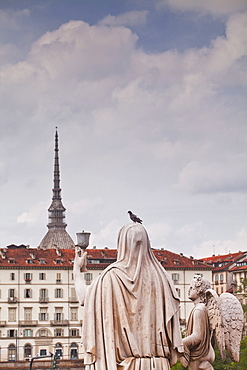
{"x":131,"y":311}
{"x":213,"y":319}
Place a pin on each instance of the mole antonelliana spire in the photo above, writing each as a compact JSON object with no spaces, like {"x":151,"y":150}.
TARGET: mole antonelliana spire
{"x":57,"y":236}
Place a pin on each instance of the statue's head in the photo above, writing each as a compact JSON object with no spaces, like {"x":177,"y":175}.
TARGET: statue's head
{"x":198,"y":288}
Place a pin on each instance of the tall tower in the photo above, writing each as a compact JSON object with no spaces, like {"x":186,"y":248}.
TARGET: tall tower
{"x":57,"y":236}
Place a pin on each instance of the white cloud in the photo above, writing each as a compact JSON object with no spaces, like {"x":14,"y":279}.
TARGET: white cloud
{"x":135,"y":122}
{"x":216,"y":7}
{"x":132,"y":18}
{"x":74,"y":51}
{"x":84,"y":205}
{"x":34,"y":214}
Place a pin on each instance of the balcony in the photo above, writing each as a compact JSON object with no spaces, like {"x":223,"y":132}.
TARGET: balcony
{"x":43,"y":299}
{"x":59,"y":322}
{"x":2,"y":323}
{"x":28,"y":322}
{"x":28,"y":281}
{"x":12,"y":300}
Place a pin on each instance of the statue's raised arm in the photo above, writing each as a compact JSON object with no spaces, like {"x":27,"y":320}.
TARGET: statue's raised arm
{"x":213,"y":319}
{"x":79,"y":267}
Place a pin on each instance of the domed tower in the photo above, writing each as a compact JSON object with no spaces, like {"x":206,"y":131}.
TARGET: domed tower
{"x":57,"y":236}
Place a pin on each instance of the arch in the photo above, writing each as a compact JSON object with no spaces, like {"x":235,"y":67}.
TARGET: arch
{"x":28,"y":350}
{"x":11,"y":352}
{"x":43,"y":332}
{"x":74,"y":351}
{"x":59,"y":350}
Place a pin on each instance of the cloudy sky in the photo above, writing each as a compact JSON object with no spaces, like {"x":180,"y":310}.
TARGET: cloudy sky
{"x":149,"y":98}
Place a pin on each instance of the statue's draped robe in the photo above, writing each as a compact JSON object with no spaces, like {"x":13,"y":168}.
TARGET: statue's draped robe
{"x":131,"y":311}
{"x":199,"y":347}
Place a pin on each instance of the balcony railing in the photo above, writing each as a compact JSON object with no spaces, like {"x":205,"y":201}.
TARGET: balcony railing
{"x":12,"y":300}
{"x":43,"y":299}
{"x":59,"y":322}
{"x":28,"y":322}
{"x":28,"y":280}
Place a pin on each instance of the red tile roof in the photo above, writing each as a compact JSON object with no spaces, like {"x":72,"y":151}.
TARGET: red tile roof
{"x":226,"y":261}
{"x":225,"y":257}
{"x":25,"y":257}
{"x":30,"y":257}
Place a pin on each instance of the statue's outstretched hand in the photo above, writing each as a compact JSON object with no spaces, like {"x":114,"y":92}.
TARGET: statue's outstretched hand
{"x":80,"y":261}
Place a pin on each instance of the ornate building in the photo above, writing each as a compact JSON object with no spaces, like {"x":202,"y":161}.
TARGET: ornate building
{"x":39,"y":311}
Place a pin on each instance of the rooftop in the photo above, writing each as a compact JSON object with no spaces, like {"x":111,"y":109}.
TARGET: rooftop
{"x":23,"y":256}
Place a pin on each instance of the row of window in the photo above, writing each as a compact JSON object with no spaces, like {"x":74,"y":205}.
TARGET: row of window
{"x":28,"y":276}
{"x":218,"y":277}
{"x":28,"y":351}
{"x":43,"y":293}
{"x":29,"y":261}
{"x":175,"y":277}
{"x":28,"y":333}
{"x":42,"y":276}
{"x":43,"y":314}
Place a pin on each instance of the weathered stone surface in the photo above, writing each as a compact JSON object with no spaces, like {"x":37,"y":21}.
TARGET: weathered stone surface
{"x":213,"y":318}
{"x":131,"y":311}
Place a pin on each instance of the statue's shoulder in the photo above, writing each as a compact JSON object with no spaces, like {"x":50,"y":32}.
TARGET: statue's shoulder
{"x":200,"y":307}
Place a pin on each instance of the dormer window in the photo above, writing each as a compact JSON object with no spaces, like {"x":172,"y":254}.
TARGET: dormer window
{"x":58,"y":261}
{"x":42,"y":262}
{"x":12,"y":260}
{"x":29,"y":262}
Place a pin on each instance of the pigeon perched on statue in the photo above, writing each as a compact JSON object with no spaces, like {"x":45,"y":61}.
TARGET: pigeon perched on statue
{"x":134,"y":218}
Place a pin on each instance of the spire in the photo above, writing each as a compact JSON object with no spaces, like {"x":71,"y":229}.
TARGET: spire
{"x":57,"y":236}
{"x":56,"y":209}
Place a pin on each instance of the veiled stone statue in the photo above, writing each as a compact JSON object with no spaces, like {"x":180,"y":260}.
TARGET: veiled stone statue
{"x":131,"y":311}
{"x":213,"y":319}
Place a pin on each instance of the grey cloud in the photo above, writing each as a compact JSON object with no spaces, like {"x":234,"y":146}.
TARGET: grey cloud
{"x":199,"y":177}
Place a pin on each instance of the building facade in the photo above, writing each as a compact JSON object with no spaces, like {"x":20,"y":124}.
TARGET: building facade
{"x":228,"y":273}
{"x":223,"y":275}
{"x":39,"y":310}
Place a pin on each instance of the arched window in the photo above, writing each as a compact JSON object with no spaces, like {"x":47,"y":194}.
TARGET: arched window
{"x":11,"y":352}
{"x":27,"y":350}
{"x":59,"y":350}
{"x":216,"y":279}
{"x":221,"y":278}
{"x":44,"y":332}
{"x":74,"y":351}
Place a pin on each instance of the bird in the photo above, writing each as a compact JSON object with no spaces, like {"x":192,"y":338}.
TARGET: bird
{"x":134,"y":218}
